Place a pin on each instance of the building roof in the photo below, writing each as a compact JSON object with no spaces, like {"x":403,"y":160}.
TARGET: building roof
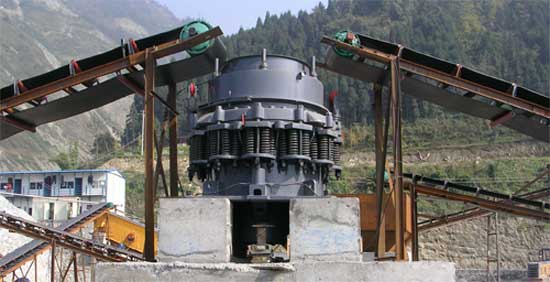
{"x":112,"y":171}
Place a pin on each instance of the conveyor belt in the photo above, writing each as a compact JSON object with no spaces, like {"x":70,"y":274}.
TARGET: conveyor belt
{"x":107,"y":91}
{"x":446,"y":84}
{"x":517,"y":205}
{"x":65,"y":239}
{"x":13,"y":260}
{"x":473,"y":212}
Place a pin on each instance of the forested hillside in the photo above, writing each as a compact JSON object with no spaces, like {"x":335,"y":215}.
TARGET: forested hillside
{"x":507,"y":39}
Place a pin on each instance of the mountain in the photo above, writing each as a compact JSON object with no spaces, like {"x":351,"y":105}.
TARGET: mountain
{"x":40,"y":35}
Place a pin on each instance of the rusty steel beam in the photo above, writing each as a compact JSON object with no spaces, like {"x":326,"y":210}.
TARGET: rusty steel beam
{"x":130,"y":84}
{"x":471,"y":213}
{"x":445,"y":78}
{"x":379,"y":152}
{"x":70,"y":90}
{"x":414,"y":207}
{"x":397,"y":161}
{"x":149,"y":135}
{"x":18,"y":123}
{"x":162,"y":50}
{"x":501,"y":119}
{"x":481,"y":202}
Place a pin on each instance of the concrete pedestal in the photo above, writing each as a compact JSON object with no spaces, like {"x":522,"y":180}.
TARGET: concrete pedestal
{"x":287,"y":272}
{"x":194,"y":230}
{"x":325,"y":229}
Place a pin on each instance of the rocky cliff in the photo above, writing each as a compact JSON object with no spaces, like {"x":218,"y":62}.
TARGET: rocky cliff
{"x":40,"y":35}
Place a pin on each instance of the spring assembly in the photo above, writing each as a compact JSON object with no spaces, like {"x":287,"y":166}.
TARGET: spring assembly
{"x":265,"y":140}
{"x":282,"y":144}
{"x":306,"y":141}
{"x":293,"y":145}
{"x":337,"y":153}
{"x":235,"y":142}
{"x":324,"y":149}
{"x":225,"y":142}
{"x":272,"y":144}
{"x":331,"y":150}
{"x":213,"y":142}
{"x":250,"y":140}
{"x":314,"y":151}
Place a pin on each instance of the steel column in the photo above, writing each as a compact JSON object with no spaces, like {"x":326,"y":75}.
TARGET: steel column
{"x":52,"y":274}
{"x":397,"y":161}
{"x":173,"y":139}
{"x":414,"y":207}
{"x":149,"y":193}
{"x":380,"y":161}
{"x":75,"y":267}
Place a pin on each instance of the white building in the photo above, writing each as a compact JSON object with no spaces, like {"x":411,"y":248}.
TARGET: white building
{"x":59,"y":195}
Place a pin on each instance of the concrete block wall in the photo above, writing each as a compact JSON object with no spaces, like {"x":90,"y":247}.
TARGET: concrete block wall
{"x":194,"y":230}
{"x":325,"y":229}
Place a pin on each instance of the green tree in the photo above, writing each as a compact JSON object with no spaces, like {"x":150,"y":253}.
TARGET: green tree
{"x":68,"y":159}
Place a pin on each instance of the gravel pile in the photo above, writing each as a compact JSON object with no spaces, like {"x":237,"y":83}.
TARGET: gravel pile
{"x":10,"y":241}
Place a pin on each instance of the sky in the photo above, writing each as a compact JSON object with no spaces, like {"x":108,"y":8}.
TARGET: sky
{"x":230,"y":15}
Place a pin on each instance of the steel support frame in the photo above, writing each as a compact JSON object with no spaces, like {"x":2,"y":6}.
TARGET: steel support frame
{"x":471,"y":213}
{"x":482,"y":203}
{"x":380,"y":151}
{"x":395,"y":88}
{"x":148,"y":143}
{"x":414,"y":213}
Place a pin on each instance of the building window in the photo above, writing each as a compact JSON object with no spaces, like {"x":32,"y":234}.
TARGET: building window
{"x":33,"y":185}
{"x":30,"y":211}
{"x":70,"y":184}
{"x":38,"y":185}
